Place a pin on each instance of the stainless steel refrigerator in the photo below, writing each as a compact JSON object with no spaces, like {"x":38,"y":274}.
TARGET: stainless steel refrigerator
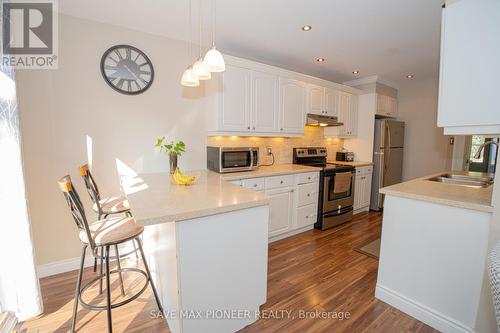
{"x":387,"y":158}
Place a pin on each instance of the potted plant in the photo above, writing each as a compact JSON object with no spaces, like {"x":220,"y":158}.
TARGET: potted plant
{"x":172,"y":149}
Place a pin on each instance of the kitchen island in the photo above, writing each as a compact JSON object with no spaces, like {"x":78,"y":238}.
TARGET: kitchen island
{"x":206,"y":246}
{"x":433,"y":251}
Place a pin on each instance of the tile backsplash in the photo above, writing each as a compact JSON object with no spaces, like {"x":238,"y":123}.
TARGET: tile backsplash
{"x":282,"y":147}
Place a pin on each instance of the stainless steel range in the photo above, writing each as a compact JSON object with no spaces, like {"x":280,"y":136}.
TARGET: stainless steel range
{"x":336,"y":187}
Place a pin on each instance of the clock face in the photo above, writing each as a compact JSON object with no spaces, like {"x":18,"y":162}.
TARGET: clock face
{"x":127,"y":69}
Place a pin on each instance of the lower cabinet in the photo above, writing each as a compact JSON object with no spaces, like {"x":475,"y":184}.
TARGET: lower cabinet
{"x":280,"y":210}
{"x":294,"y":201}
{"x":362,"y":189}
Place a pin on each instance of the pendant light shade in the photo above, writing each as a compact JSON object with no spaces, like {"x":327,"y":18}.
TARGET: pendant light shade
{"x":214,"y":61}
{"x":189,"y":78}
{"x":201,"y":70}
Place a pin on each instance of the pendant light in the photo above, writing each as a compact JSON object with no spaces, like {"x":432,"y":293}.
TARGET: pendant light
{"x":189,"y":77}
{"x":199,"y":66}
{"x":214,"y":61}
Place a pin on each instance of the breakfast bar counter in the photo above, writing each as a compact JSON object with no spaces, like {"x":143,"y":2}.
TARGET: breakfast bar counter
{"x":206,"y":246}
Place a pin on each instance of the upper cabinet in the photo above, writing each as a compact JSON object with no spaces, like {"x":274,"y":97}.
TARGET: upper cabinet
{"x":234,"y":102}
{"x":347,"y":114}
{"x":470,"y":66}
{"x":322,"y":100}
{"x":387,"y":106}
{"x":264,"y":115}
{"x":254,"y":99}
{"x":293,"y":97}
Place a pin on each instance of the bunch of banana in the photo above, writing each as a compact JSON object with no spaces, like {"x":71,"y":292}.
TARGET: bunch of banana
{"x":181,"y":178}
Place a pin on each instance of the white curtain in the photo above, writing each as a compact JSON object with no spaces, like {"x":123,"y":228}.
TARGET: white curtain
{"x":19,"y":289}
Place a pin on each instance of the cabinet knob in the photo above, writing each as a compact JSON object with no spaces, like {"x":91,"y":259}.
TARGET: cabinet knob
{"x":253,"y":127}
{"x":307,"y":216}
{"x":254,"y":185}
{"x":281,"y":182}
{"x":308,"y":178}
{"x":248,"y":127}
{"x":308,"y":194}
{"x":281,"y":129}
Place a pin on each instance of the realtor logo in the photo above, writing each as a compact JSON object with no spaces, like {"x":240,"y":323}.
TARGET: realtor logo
{"x":29,"y":34}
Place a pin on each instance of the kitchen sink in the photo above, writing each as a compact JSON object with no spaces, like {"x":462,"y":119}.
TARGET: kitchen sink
{"x":463,"y":180}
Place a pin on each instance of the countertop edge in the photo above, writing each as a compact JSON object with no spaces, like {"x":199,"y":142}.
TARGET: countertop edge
{"x":202,"y":213}
{"x":453,"y":203}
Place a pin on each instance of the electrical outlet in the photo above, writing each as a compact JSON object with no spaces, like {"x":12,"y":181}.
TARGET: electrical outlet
{"x":269,"y":150}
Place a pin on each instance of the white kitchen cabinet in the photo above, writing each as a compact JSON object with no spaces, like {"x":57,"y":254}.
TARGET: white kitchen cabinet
{"x":387,"y":106}
{"x":347,"y":114}
{"x":322,"y":100}
{"x":362,"y":189}
{"x":294,"y":201}
{"x":280,"y":210}
{"x":469,"y":69}
{"x":264,"y":110}
{"x":293,"y":96}
{"x":316,"y":99}
{"x":234,"y":100}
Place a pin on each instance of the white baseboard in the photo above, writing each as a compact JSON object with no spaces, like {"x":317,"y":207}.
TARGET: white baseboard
{"x":361,"y":210}
{"x":421,"y":312}
{"x":62,"y":266}
{"x":67,"y":265}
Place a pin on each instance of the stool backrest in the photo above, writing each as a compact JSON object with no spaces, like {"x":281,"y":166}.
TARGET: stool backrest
{"x":76,"y":207}
{"x":91,"y":186}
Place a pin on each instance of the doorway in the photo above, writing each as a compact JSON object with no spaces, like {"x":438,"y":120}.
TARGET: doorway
{"x":487,"y":161}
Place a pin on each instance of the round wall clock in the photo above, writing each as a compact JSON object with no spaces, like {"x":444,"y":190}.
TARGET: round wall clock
{"x":127,"y":69}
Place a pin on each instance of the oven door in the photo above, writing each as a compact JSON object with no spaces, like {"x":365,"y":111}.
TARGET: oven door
{"x":232,"y":159}
{"x":337,"y":198}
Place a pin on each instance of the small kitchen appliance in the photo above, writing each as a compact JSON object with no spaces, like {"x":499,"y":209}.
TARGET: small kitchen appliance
{"x":232,"y":159}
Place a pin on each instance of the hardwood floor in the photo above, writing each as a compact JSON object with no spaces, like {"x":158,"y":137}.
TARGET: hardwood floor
{"x":313,"y":271}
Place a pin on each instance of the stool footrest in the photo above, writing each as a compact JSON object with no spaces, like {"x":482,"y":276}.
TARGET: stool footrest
{"x":115,"y":305}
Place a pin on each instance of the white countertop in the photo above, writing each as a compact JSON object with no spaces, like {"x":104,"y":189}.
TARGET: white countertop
{"x":445,"y":194}
{"x":154,"y":198}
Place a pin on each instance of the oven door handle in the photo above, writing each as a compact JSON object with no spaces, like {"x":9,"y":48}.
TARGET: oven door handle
{"x":343,"y":210}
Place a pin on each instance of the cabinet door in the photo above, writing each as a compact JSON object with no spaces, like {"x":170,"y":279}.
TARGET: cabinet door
{"x":357,"y":192}
{"x":234,"y":103}
{"x":280,"y":211}
{"x":316,"y":99}
{"x":293,"y":95}
{"x":381,"y":105}
{"x":347,"y":114}
{"x":470,"y":66}
{"x":367,"y":187}
{"x":331,"y":102}
{"x":393,"y":106}
{"x":265,"y":113}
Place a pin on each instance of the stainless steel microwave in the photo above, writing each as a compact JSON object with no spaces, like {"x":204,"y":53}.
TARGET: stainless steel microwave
{"x":232,"y":159}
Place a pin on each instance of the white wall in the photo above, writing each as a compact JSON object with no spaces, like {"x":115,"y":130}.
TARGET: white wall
{"x":59,"y":108}
{"x":427,"y":150}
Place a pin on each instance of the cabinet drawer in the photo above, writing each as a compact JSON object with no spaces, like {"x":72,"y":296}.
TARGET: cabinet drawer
{"x":307,"y":215}
{"x":307,"y":194}
{"x":256,"y":184}
{"x":279,"y":181}
{"x":310,"y":177}
{"x":364,"y":170}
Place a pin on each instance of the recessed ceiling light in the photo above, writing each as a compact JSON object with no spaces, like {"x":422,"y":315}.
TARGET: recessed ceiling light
{"x":320,"y":59}
{"x":355,"y":72}
{"x":306,"y":28}
{"x":409,"y":76}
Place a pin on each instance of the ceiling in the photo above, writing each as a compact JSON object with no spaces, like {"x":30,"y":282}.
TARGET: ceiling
{"x":389,"y":38}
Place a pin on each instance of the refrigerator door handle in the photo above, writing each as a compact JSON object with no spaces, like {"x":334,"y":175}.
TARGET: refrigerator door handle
{"x":381,"y":165}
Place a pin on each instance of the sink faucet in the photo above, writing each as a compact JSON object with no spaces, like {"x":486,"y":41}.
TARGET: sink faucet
{"x":481,"y":147}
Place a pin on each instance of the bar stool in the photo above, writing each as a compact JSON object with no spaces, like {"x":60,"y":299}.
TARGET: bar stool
{"x":103,"y":234}
{"x":104,"y":207}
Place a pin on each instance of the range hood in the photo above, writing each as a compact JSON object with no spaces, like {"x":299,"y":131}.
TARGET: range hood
{"x":322,"y":121}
